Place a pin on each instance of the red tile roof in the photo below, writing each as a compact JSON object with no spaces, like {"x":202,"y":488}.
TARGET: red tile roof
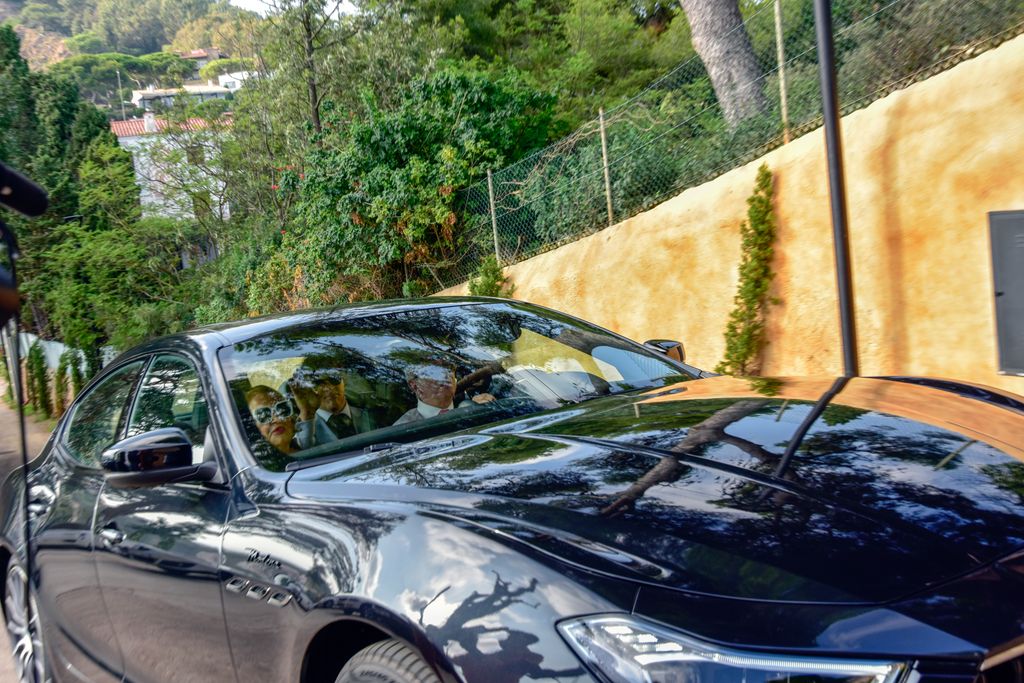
{"x":201,"y":53}
{"x":134,"y":127}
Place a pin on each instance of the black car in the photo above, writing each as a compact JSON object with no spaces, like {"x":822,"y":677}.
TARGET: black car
{"x":486,"y":491}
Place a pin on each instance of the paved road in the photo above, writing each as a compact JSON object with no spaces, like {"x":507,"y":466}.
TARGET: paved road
{"x":10,"y":457}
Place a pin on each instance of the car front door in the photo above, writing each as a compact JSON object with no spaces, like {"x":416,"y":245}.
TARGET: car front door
{"x":158,"y":547}
{"x":62,"y":496}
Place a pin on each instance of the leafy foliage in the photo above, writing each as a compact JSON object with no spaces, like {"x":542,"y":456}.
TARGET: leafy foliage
{"x":60,"y":385}
{"x":225,"y":26}
{"x":219,"y":67}
{"x":5,"y":375}
{"x":88,"y":43}
{"x":378,"y":198}
{"x":744,"y":334}
{"x":491,"y":280}
{"x":75,"y":371}
{"x":39,"y":380}
{"x":96,"y":75}
{"x":350,"y":168}
{"x":43,"y":15}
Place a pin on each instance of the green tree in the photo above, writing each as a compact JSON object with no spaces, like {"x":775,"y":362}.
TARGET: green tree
{"x":219,"y":67}
{"x":79,"y":14}
{"x":230,"y":28}
{"x":39,"y":379}
{"x":17,"y":120}
{"x":75,"y":371}
{"x":144,"y":26}
{"x":744,"y":334}
{"x":87,"y":43}
{"x":60,"y":385}
{"x":47,"y":15}
{"x":120,"y":286}
{"x":109,"y":197}
{"x":491,"y":280}
{"x":96,"y":75}
{"x":378,"y":197}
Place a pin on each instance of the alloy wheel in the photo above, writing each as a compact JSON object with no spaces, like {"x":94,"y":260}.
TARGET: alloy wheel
{"x":26,"y":638}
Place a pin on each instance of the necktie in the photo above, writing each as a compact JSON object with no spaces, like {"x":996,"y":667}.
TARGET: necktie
{"x":341,"y":425}
{"x":444,"y":410}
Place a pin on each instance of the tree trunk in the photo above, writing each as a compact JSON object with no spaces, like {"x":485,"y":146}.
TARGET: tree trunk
{"x":310,"y":63}
{"x":722,"y":42}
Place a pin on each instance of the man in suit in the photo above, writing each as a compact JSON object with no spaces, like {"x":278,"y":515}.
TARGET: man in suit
{"x":325,"y":415}
{"x":434,"y":385}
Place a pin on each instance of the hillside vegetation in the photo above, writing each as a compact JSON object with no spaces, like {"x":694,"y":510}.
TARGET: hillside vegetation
{"x":341,"y":173}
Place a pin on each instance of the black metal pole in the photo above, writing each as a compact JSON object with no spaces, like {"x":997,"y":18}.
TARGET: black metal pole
{"x":836,"y":183}
{"x":7,"y":236}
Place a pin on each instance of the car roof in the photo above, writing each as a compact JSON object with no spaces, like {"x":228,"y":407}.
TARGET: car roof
{"x":228,"y":333}
{"x":242,"y":330}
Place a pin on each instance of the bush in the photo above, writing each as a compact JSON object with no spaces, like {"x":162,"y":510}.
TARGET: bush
{"x":39,"y":380}
{"x":67,"y":369}
{"x":929,"y":31}
{"x":744,"y":335}
{"x":87,"y":43}
{"x":490,"y":280}
{"x":75,"y":367}
{"x":5,"y":375}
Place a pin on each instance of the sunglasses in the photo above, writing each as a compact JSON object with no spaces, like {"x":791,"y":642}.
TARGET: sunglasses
{"x":281,"y":410}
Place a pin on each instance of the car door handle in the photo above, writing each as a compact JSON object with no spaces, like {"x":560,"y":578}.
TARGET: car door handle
{"x":111,"y":537}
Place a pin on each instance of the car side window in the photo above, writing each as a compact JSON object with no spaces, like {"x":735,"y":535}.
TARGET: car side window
{"x":94,"y":426}
{"x":171,"y":395}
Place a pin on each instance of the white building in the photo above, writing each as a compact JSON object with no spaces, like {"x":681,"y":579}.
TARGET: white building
{"x":152,"y":98}
{"x":187,"y":148}
{"x":201,"y":57}
{"x":234,"y":81}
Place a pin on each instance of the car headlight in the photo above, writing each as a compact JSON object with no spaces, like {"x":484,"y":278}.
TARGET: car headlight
{"x":630,"y":650}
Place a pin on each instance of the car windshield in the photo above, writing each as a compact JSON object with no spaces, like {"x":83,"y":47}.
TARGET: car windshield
{"x":333,"y":386}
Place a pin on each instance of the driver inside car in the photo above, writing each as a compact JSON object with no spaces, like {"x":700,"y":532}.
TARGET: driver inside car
{"x":435,"y":386}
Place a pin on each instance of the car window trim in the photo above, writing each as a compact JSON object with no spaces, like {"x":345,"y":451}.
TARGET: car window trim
{"x":204,"y":387}
{"x":133,"y":398}
{"x":61,"y":442}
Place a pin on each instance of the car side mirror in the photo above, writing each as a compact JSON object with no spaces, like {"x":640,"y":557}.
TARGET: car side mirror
{"x":161,"y":456}
{"x":672,"y":349}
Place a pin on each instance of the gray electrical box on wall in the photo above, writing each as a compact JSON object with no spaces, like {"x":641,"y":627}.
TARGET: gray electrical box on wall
{"x":1007,"y":232}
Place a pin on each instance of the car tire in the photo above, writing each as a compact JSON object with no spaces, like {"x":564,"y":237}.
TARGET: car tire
{"x":26,"y":641}
{"x":389,"y":661}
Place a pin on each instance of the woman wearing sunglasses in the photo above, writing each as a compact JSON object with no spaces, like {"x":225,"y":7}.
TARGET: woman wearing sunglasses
{"x":274,"y":416}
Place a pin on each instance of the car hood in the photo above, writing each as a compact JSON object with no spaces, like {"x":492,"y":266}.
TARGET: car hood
{"x":787,"y":490}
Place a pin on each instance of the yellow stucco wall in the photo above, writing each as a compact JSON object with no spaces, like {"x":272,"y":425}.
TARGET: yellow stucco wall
{"x":924,"y":166}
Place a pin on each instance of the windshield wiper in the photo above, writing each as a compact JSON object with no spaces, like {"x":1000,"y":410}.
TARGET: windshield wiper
{"x":383,"y":447}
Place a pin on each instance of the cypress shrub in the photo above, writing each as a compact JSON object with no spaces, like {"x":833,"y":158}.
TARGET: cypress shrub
{"x":28,"y":389}
{"x":75,"y":366}
{"x":490,"y":280}
{"x":39,"y":379}
{"x":744,"y":334}
{"x":60,"y":385}
{"x":5,"y":374}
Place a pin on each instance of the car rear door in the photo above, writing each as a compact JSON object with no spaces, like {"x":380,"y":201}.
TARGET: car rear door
{"x":62,"y":494}
{"x":158,"y":547}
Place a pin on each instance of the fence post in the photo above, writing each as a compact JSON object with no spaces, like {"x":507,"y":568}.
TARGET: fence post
{"x":607,"y":176}
{"x":494,"y":215}
{"x":780,"y":56}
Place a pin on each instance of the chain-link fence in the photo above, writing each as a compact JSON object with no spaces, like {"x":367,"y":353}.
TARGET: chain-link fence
{"x":673,"y":134}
